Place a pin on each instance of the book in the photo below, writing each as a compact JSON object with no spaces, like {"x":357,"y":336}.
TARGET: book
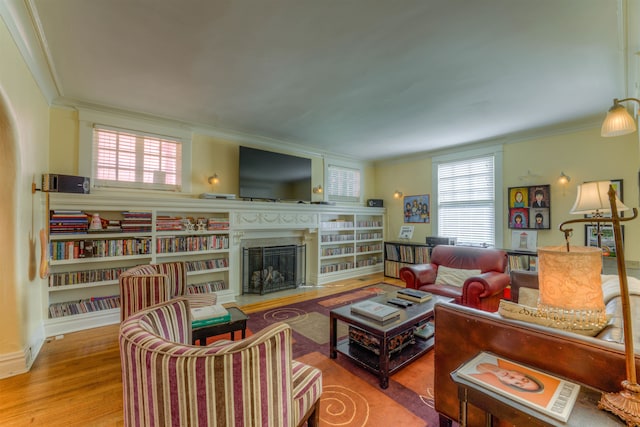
{"x":208,"y":312}
{"x":414,"y":295}
{"x":375,"y":310}
{"x":538,"y":390}
{"x":208,"y":322}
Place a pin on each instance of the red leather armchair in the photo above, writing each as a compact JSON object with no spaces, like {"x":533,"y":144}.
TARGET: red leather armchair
{"x":482,"y":292}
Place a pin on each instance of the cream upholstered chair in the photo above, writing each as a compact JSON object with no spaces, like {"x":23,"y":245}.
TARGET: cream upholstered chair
{"x":252,"y":382}
{"x":145,"y":285}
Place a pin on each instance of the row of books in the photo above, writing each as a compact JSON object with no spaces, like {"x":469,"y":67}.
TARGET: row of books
{"x":367,"y":262}
{"x":333,"y":225}
{"x":341,"y":266}
{"x":173,"y":244}
{"x":341,"y":250}
{"x":523,"y":262}
{"x":178,"y":223}
{"x":207,"y":287}
{"x":369,"y":248}
{"x":408,"y":254}
{"x":70,"y":308}
{"x":64,"y":250}
{"x":208,"y":264}
{"x":86,"y":276}
{"x":370,"y":223}
{"x":369,"y":236}
{"x":337,"y":238}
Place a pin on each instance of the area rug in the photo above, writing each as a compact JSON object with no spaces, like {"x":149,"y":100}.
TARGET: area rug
{"x":352,"y":396}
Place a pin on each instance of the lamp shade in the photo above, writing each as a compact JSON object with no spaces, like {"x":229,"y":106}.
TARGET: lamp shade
{"x":593,"y":197}
{"x":571,"y":285}
{"x":618,"y":122}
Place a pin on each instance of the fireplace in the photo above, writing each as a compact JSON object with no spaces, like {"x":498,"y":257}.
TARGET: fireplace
{"x":268,"y":269}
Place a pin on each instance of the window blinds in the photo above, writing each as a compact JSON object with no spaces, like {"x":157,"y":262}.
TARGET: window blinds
{"x":466,"y":200}
{"x":128,"y":159}
{"x":343,"y":184}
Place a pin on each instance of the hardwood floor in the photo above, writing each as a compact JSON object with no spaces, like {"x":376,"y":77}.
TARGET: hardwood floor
{"x":75,"y":381}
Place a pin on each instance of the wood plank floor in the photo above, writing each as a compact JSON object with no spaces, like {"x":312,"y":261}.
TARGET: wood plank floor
{"x":75,"y":381}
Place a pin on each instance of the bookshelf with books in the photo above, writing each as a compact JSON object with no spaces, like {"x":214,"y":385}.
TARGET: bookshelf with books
{"x":401,"y":254}
{"x":349,"y":245}
{"x":85,"y":262}
{"x":522,"y":260}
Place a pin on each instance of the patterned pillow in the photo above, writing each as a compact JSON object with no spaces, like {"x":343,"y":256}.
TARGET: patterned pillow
{"x":454,"y":276}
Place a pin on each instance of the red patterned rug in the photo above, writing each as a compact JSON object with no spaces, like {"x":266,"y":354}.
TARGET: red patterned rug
{"x":351,"y":395}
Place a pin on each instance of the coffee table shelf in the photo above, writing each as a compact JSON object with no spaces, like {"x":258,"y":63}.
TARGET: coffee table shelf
{"x":385,"y":363}
{"x":371,"y":361}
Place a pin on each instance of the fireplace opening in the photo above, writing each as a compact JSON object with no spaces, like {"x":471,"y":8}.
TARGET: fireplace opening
{"x":273,"y":268}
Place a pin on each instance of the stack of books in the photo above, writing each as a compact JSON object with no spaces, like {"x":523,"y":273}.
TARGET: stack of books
{"x":375,"y":311}
{"x":68,"y":222}
{"x":209,"y":315}
{"x":414,"y":295}
{"x":168,"y":223}
{"x":135,"y":222}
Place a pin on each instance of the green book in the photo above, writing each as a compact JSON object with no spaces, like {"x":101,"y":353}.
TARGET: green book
{"x":208,"y":322}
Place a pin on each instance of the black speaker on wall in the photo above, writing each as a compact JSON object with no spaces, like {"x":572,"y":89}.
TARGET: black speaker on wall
{"x":65,"y":183}
{"x":374,"y":203}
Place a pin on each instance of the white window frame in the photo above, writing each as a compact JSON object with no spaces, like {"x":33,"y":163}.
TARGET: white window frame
{"x":496,"y":152}
{"x":89,"y":119}
{"x":346,"y":166}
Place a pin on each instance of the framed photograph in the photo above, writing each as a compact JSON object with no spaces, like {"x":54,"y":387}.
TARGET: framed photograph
{"x":538,"y":390}
{"x":607,"y":239}
{"x":417,"y":209}
{"x":530,"y":207}
{"x":525,"y":240}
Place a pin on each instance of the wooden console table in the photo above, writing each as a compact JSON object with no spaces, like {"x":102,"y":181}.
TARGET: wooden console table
{"x":585,"y":411}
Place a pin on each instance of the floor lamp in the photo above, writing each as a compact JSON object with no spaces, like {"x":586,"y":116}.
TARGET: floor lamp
{"x":625,"y":403}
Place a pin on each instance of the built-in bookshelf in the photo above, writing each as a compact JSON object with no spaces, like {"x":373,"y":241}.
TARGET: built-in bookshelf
{"x":401,"y":254}
{"x":522,"y":260}
{"x":349,"y":245}
{"x":85,"y":263}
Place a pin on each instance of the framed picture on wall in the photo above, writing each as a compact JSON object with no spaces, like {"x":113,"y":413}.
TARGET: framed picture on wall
{"x":607,"y":240}
{"x":417,"y":209}
{"x":530,"y":207}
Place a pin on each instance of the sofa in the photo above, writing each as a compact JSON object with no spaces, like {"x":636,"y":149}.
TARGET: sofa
{"x":463,"y":332}
{"x":250,"y":383}
{"x":481,"y":289}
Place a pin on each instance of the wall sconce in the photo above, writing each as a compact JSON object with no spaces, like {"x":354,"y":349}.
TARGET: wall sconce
{"x":618,"y":121}
{"x":397,"y":194}
{"x":317,"y":189}
{"x":563,"y":179}
{"x":213,"y":179}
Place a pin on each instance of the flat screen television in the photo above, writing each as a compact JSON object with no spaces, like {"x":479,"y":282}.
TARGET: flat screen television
{"x":274,"y":176}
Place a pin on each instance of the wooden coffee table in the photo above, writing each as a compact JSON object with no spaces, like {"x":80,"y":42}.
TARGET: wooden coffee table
{"x":383,"y":364}
{"x":238,"y":322}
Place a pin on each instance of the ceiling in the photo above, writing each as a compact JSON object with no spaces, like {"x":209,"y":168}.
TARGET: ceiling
{"x":369,"y":79}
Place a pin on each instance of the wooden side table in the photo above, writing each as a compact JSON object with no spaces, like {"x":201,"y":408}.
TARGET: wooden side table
{"x":238,"y":322}
{"x":585,"y":411}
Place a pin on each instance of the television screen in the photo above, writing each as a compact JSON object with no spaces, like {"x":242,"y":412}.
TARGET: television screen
{"x":274,"y":176}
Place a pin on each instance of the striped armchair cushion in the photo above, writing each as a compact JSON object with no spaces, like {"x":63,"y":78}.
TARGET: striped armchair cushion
{"x":141,"y":287}
{"x":252,"y":382}
{"x":176,"y":273}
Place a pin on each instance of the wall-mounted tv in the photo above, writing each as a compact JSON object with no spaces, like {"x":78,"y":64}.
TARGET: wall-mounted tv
{"x":274,"y":176}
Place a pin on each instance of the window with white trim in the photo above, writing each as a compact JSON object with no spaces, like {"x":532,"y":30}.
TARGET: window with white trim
{"x":343,"y":184}
{"x":130,"y":159}
{"x":466,"y":199}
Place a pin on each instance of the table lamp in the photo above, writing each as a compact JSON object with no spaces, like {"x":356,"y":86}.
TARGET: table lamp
{"x":625,"y":403}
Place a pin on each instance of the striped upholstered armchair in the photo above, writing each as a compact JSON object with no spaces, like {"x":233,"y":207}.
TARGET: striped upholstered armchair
{"x":145,"y":285}
{"x":248,"y":383}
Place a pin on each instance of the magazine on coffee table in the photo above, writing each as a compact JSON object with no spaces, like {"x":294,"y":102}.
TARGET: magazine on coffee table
{"x":540,"y":391}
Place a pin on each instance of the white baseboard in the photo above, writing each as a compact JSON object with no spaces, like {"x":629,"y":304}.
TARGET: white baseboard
{"x":14,"y":363}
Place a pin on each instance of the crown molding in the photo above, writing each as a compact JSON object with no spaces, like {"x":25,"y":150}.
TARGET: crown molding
{"x":26,"y":33}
